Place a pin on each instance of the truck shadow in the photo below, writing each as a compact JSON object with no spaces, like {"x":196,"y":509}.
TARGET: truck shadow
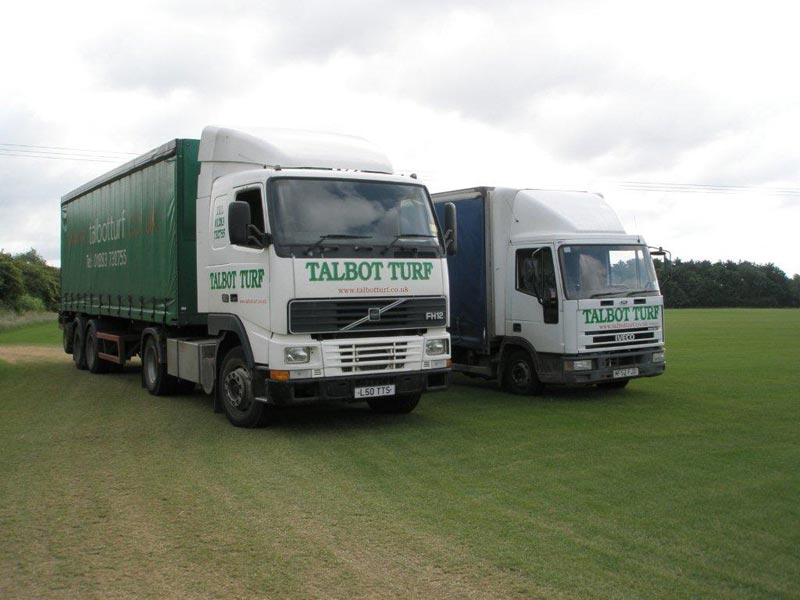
{"x":341,"y":416}
{"x":552,"y":393}
{"x":327,"y":416}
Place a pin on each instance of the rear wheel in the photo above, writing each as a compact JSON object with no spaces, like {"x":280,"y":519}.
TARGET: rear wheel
{"x":154,"y":373}
{"x":67,"y":335}
{"x":235,"y":392}
{"x":519,"y":375}
{"x":617,"y":384}
{"x":395,"y":405}
{"x":78,"y":344}
{"x":94,"y":363}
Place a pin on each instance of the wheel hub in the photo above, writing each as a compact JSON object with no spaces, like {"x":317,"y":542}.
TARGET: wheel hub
{"x":237,"y":383}
{"x":520,"y":374}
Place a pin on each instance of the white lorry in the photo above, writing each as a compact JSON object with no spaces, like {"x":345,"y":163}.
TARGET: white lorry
{"x":547,"y":288}
{"x":279,"y":270}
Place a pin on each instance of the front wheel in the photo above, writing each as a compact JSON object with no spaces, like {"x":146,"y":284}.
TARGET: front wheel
{"x":235,"y":392}
{"x":519,"y":375}
{"x":395,"y":405}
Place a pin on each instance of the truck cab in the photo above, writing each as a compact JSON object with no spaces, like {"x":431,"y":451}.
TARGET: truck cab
{"x":548,"y":288}
{"x":332,"y":266}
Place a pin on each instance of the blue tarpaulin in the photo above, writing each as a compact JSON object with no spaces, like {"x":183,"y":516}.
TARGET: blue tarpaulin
{"x":467,"y":270}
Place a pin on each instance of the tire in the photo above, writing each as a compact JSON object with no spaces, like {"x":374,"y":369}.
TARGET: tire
{"x":155,"y":378}
{"x":617,"y":384}
{"x":67,"y":337}
{"x":519,"y":375}
{"x":395,"y":405}
{"x":78,"y":345}
{"x":235,"y":392}
{"x":94,"y":363}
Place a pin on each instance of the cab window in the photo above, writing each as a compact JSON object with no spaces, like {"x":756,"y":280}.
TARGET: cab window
{"x":536,"y":274}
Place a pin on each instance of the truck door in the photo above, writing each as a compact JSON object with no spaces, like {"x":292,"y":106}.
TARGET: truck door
{"x":238,"y":274}
{"x":534,"y":310}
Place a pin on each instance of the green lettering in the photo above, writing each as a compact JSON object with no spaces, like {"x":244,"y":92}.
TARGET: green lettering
{"x":325,"y":272}
{"x":312,"y":268}
{"x":428,"y":269}
{"x":393,"y":268}
{"x":376,"y":268}
{"x":350,"y":271}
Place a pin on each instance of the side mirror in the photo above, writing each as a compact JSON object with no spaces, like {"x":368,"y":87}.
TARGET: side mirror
{"x":238,"y":222}
{"x":450,"y":229}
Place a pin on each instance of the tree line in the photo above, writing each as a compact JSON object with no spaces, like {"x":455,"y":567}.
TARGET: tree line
{"x":703,"y":284}
{"x":28,"y":283}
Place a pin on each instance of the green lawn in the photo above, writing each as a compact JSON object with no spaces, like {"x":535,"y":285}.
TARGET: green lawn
{"x":31,"y":328}
{"x":685,"y":485}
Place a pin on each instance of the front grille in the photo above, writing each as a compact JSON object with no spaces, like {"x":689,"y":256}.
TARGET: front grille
{"x":366,"y":314}
{"x":361,"y":358}
{"x":348,"y":358}
{"x":620,"y":337}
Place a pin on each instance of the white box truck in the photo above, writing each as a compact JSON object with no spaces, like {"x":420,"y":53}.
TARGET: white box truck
{"x":273,"y":270}
{"x":547,"y":288}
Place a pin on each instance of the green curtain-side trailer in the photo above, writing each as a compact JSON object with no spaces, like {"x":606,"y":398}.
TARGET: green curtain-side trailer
{"x":128,"y":240}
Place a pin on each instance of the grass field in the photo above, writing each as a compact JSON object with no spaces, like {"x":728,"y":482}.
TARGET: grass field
{"x":686,"y":485}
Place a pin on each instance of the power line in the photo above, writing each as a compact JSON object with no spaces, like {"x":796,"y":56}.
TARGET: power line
{"x":665,"y":187}
{"x":35,"y":153}
{"x":2,"y":153}
{"x":72,"y":149}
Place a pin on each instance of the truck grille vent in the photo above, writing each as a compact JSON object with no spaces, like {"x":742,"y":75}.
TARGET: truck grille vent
{"x":379,"y":356}
{"x":366,"y":314}
{"x":621,"y":337}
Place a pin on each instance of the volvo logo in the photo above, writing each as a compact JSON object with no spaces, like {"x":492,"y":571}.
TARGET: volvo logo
{"x":373,"y":314}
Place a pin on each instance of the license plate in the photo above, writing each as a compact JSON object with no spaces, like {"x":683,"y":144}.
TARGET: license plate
{"x":631,"y":372}
{"x":373,"y":391}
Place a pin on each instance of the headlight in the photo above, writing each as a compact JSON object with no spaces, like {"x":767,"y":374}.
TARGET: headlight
{"x":659,"y":357}
{"x":434,"y":347}
{"x":297,"y":354}
{"x":578,"y":365}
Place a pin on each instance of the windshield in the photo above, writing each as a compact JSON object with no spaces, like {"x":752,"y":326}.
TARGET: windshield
{"x":597,"y":271}
{"x":351,"y":217}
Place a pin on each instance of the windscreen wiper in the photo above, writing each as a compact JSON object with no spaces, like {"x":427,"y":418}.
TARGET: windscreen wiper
{"x":403,"y":236}
{"x":606,"y":294}
{"x":334,"y":236}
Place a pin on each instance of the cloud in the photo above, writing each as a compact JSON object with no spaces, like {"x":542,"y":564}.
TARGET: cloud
{"x":163,"y":59}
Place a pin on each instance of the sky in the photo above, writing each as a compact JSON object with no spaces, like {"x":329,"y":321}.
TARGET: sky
{"x":684,"y":115}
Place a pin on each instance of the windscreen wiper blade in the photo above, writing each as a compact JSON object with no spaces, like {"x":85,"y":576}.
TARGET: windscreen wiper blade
{"x":403,"y":236}
{"x":335,"y":236}
{"x":606,"y":294}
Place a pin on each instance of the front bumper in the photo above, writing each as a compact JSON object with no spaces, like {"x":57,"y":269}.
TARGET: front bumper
{"x":307,"y":391}
{"x":604,"y":365}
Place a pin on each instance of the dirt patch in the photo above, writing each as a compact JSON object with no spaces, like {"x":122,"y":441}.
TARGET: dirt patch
{"x":16,"y":354}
